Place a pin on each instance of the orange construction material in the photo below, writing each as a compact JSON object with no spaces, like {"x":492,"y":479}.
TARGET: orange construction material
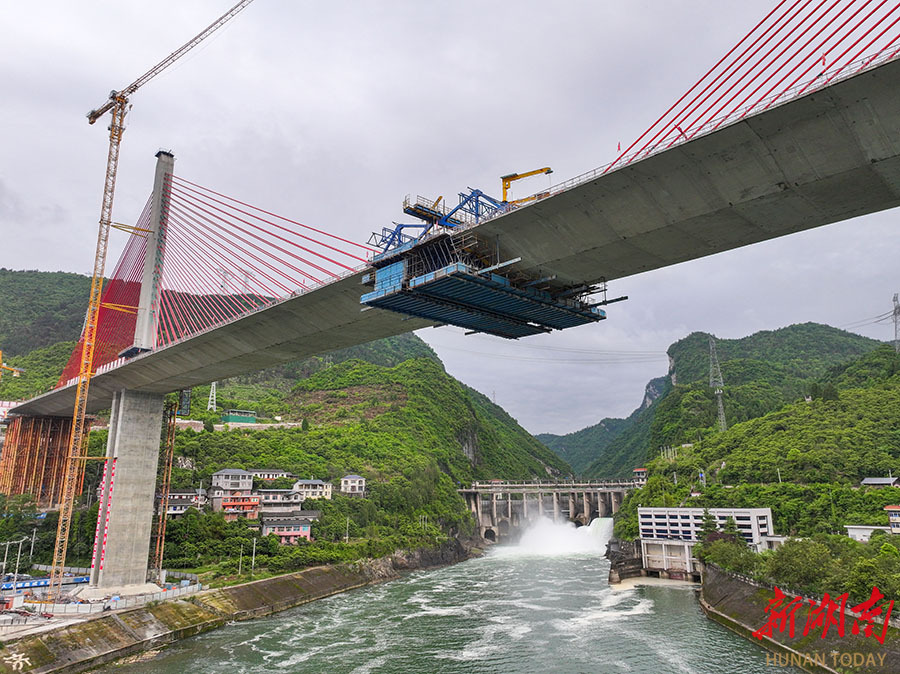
{"x":34,"y":458}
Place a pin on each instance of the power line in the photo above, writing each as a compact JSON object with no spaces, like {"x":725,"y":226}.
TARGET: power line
{"x":867,"y":321}
{"x":605,"y":357}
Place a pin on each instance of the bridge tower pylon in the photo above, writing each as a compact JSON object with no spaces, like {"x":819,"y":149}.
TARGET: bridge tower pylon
{"x":147,"y":323}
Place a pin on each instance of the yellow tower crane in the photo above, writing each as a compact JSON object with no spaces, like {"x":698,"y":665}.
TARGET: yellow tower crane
{"x":512,"y":177}
{"x":117,"y":106}
{"x":16,"y":372}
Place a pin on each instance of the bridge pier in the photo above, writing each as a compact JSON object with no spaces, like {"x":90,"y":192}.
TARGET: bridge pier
{"x":122,"y":543}
{"x":556,"y":508}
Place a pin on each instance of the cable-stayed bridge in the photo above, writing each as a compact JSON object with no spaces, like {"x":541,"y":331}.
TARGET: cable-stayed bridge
{"x":798,"y":126}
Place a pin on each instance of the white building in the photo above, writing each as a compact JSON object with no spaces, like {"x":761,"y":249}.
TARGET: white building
{"x":863,"y":533}
{"x":353,"y":485}
{"x":668,"y":535}
{"x":313,"y":488}
{"x":233,"y":479}
{"x":180,"y":501}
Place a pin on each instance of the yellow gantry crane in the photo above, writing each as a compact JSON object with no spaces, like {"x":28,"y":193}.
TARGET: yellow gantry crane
{"x":512,"y":177}
{"x":117,"y":105}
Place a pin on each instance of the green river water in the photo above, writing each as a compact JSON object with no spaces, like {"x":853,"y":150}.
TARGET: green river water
{"x":541,"y":606}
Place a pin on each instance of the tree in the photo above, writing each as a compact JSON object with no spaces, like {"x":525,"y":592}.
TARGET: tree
{"x":829,"y":392}
{"x":731,"y":531}
{"x":708,"y":526}
{"x":304,"y":426}
{"x":800,"y":565}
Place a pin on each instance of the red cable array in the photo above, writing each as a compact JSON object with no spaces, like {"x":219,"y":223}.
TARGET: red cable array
{"x":220,"y":259}
{"x":115,"y":329}
{"x":224,"y":258}
{"x":811,"y":41}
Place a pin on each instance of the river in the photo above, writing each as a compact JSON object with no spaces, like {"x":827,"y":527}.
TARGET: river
{"x":541,"y":606}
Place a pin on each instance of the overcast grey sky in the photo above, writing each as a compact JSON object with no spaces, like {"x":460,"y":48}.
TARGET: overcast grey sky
{"x":331,"y":112}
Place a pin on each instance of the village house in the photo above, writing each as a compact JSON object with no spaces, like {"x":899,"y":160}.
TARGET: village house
{"x":233,"y":479}
{"x":290,"y":527}
{"x":313,"y":488}
{"x":273,"y":501}
{"x":180,"y":501}
{"x":639,"y":475}
{"x":236,"y":504}
{"x":269,"y":474}
{"x":893,"y":512}
{"x":354,"y":485}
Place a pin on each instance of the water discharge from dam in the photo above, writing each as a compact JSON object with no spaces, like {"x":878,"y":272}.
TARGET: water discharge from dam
{"x":543,"y":605}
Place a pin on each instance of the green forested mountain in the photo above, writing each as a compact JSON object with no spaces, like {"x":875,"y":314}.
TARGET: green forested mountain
{"x":42,"y":369}
{"x":762,"y":372}
{"x":804,"y":351}
{"x":848,"y":431}
{"x":580,"y":449}
{"x":39,"y":308}
{"x":380,"y":421}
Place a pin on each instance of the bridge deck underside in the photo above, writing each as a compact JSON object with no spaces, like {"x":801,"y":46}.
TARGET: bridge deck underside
{"x":826,"y":157}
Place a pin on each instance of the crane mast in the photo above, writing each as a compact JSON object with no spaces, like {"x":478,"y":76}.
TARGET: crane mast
{"x":118,"y":106}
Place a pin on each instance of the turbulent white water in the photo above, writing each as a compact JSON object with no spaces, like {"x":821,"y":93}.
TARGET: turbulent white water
{"x":542,"y":606}
{"x":546,"y":538}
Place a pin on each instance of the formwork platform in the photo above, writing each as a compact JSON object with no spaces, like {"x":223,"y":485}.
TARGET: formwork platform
{"x":449,"y":279}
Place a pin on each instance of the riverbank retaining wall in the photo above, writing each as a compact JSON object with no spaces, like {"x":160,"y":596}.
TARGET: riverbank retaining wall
{"x":739,"y":604}
{"x":91,"y":642}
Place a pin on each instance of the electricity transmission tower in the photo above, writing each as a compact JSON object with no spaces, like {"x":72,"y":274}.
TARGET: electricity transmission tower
{"x":716,"y":382}
{"x":211,"y":403}
{"x":896,"y":324}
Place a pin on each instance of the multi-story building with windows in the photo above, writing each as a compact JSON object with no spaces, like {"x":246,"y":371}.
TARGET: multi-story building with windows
{"x":237,"y":505}
{"x":668,"y":535}
{"x":274,"y":501}
{"x":893,"y":512}
{"x":313,"y":488}
{"x":180,"y":501}
{"x":233,"y":479}
{"x":354,"y":485}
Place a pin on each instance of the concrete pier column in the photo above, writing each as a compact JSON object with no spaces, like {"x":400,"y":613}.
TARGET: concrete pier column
{"x":122,"y":545}
{"x":572,"y":506}
{"x":494,"y":509}
{"x":540,"y":504}
{"x":586,"y":506}
{"x":556,"y":511}
{"x":525,"y":506}
{"x":615,"y":499}
{"x":478,"y":514}
{"x":509,"y":506}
